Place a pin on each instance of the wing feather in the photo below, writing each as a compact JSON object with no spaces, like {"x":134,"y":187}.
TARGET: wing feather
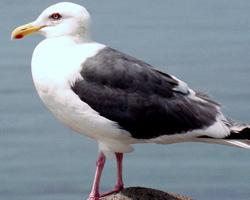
{"x":142,"y":100}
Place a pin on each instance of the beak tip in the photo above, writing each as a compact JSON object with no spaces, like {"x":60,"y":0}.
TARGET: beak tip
{"x":18,"y":36}
{"x":21,"y":31}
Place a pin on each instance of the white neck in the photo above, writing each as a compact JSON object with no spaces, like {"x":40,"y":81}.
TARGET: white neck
{"x":57,"y":60}
{"x":76,"y":38}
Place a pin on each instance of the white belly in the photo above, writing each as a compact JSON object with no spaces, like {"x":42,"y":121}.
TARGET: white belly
{"x":69,"y":109}
{"x":79,"y":116}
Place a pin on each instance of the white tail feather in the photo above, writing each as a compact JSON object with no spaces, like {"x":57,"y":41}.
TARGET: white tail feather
{"x":236,"y":143}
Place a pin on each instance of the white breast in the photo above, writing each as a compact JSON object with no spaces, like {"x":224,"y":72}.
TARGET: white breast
{"x":58,"y":61}
{"x":55,"y":66}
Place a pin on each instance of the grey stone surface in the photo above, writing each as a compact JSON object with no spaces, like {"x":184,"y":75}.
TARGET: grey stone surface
{"x":139,"y":193}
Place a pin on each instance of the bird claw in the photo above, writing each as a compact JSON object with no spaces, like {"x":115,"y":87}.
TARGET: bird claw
{"x":109,"y":193}
{"x":115,"y":190}
{"x":93,"y":198}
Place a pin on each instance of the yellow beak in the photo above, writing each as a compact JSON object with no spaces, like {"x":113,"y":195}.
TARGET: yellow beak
{"x":24,"y":30}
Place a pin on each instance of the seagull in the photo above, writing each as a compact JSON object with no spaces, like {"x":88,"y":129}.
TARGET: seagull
{"x":114,"y":98}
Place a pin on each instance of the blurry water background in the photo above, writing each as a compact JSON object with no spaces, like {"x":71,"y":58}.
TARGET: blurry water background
{"x":205,"y":43}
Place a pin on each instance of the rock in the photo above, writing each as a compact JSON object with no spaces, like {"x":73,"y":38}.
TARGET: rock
{"x":139,"y":193}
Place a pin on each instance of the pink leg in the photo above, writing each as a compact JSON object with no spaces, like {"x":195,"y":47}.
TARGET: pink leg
{"x":94,"y":195}
{"x":119,"y":182}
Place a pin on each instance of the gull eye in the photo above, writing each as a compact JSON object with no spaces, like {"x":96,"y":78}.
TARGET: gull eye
{"x":55,"y":16}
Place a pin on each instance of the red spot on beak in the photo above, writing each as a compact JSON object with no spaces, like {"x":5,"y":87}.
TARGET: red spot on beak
{"x":19,"y":36}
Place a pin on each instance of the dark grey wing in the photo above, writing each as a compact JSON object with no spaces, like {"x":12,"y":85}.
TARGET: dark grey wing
{"x":145,"y":102}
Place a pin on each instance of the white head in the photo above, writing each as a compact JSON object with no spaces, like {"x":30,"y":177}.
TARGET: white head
{"x":61,"y":19}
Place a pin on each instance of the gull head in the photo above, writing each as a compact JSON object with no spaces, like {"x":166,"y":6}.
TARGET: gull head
{"x":61,"y":19}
